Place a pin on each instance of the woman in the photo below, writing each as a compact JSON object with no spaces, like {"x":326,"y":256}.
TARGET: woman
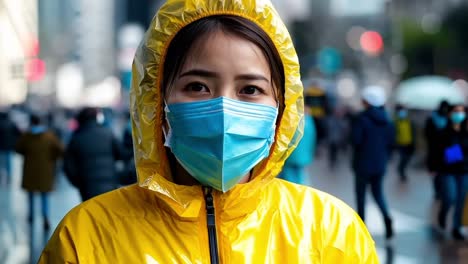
{"x":41,"y":149}
{"x":454,"y":179}
{"x":214,"y":82}
{"x":434,"y":127}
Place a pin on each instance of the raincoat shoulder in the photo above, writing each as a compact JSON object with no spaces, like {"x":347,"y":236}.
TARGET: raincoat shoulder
{"x":124,"y":225}
{"x":104,"y":230}
{"x":337,"y":233}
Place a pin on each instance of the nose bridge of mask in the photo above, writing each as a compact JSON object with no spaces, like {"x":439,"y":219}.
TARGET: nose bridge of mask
{"x":221,"y":115}
{"x":221,"y":104}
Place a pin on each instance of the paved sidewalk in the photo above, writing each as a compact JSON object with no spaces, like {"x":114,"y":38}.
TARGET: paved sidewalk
{"x":19,"y":242}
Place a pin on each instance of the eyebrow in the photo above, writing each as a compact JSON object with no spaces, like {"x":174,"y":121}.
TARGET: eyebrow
{"x":199,"y":72}
{"x":211,"y":74}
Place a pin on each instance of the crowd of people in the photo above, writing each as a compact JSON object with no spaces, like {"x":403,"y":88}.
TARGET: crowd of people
{"x":376,"y":136}
{"x":446,"y":132}
{"x":87,"y":152}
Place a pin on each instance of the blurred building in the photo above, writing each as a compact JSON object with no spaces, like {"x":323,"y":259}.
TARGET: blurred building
{"x":293,"y":10}
{"x":95,"y":39}
{"x":329,"y":45}
{"x":420,"y":8}
{"x":18,"y":42}
{"x":140,"y":12}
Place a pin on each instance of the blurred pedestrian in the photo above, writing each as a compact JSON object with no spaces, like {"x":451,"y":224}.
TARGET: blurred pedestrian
{"x":128,"y":174}
{"x":40,"y":149}
{"x":372,"y":138}
{"x":433,"y":130}
{"x":9,"y":133}
{"x":91,"y":155}
{"x":454,"y":179}
{"x":405,"y":140}
{"x":216,"y":106}
{"x":336,"y":132}
{"x":294,"y":169}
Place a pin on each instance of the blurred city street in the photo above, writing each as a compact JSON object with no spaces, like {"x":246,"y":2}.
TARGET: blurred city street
{"x":68,"y":66}
{"x":412,"y":206}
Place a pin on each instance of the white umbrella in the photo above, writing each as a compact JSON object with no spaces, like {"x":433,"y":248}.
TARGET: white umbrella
{"x":426,"y":92}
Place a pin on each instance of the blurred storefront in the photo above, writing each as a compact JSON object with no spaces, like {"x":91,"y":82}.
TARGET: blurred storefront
{"x":18,"y":43}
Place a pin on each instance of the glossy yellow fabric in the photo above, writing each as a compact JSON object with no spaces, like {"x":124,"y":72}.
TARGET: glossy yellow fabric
{"x":281,"y":223}
{"x":266,"y":220}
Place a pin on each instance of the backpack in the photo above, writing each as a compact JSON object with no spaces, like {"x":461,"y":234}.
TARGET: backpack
{"x":404,"y":133}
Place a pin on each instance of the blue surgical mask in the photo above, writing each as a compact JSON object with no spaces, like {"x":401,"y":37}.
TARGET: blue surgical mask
{"x":402,"y":114}
{"x":218,"y":141}
{"x":100,"y":118}
{"x":38,"y":129}
{"x":439,"y":121}
{"x":457,"y":117}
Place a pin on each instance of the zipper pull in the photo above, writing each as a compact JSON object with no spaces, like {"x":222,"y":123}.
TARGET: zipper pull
{"x":211,"y":224}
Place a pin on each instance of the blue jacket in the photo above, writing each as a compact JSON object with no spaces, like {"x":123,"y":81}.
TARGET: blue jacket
{"x":372,"y":136}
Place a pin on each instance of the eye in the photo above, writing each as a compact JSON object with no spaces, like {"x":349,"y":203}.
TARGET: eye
{"x":196,"y":87}
{"x":251,"y":90}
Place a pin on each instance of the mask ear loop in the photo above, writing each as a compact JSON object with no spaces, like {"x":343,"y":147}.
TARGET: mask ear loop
{"x":166,"y":131}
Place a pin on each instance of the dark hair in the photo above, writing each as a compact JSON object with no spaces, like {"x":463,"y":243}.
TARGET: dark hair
{"x":87,"y":114}
{"x":399,"y":107}
{"x":444,"y":108}
{"x":239,"y":26}
{"x":453,"y":106}
{"x":34,"y":120}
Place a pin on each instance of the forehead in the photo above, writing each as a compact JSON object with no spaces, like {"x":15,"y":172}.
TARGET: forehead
{"x":219,"y":48}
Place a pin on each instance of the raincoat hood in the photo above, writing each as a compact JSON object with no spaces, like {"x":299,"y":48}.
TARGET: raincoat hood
{"x":146,"y":100}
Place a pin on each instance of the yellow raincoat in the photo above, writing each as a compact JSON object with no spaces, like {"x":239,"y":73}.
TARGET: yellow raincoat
{"x":266,"y":220}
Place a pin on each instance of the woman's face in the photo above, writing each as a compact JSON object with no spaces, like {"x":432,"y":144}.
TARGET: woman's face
{"x":221,"y":64}
{"x":458,"y":108}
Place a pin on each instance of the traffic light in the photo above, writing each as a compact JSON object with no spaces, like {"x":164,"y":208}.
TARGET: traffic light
{"x":371,"y":43}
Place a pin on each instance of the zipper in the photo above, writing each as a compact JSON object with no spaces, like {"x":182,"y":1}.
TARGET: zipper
{"x":210,"y":221}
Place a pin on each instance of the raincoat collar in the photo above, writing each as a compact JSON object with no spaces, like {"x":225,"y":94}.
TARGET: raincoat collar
{"x":146,"y":100}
